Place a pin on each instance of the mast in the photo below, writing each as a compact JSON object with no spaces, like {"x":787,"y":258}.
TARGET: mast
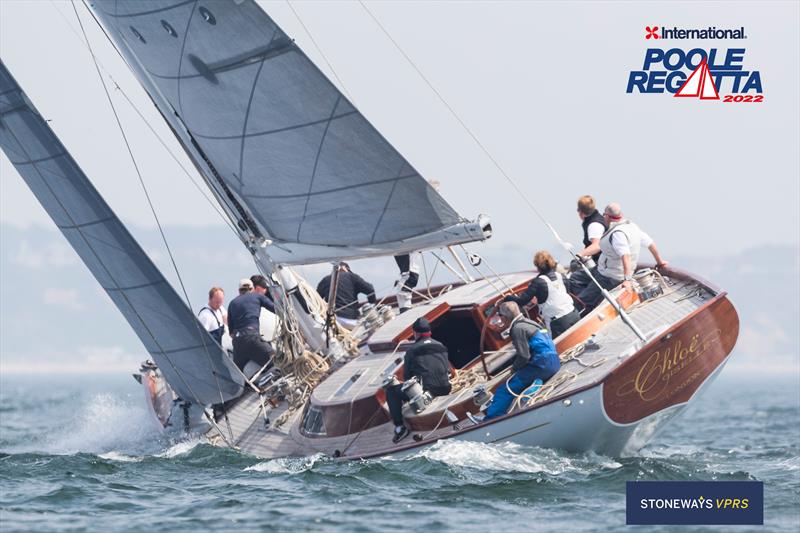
{"x":304,"y":176}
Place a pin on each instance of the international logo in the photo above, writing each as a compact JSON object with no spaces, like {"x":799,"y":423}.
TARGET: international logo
{"x":707,"y":73}
{"x":694,"y":502}
{"x":712,"y":32}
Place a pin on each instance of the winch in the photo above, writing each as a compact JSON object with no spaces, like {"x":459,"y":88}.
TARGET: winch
{"x":648,"y":284}
{"x":374,"y":316}
{"x":418,"y":398}
{"x":481,"y":396}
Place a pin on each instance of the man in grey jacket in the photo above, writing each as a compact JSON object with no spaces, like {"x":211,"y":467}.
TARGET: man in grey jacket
{"x":536,"y":357}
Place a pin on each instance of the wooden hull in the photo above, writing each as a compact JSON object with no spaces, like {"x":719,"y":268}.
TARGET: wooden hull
{"x":670,"y":369}
{"x":620,"y":415}
{"x":619,"y":395}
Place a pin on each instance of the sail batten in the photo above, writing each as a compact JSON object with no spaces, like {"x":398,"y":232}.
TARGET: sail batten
{"x":271,"y":133}
{"x":192,"y":362}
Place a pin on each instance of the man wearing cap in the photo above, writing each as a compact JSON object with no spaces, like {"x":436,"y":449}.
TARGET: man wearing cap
{"x":619,"y":254}
{"x":244,"y":314}
{"x":536,"y":358}
{"x":426,"y":360}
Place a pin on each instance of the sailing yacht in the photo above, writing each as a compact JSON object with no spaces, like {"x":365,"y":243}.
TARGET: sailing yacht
{"x":305,"y":178}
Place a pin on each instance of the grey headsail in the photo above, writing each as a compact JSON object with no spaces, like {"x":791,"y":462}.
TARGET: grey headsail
{"x":270,"y":132}
{"x":193,"y":364}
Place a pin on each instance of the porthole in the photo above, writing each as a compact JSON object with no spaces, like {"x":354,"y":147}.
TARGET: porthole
{"x":137,"y":34}
{"x":207,"y":16}
{"x":169,"y":28}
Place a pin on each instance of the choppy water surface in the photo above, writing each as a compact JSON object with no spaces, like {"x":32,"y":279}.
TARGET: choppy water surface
{"x":79,"y":453}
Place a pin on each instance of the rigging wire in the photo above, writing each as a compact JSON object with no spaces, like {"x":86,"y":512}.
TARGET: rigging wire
{"x":160,"y":139}
{"x":463,"y":124}
{"x":617,"y":307}
{"x":319,"y":50}
{"x":441,"y":98}
{"x":153,"y":211}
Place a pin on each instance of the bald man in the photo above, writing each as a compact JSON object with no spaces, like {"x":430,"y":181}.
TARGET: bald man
{"x":619,"y":254}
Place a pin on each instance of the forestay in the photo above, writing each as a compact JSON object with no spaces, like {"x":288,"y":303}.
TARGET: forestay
{"x":270,"y":132}
{"x":194,"y":365}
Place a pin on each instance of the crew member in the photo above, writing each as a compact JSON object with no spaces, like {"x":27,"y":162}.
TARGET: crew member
{"x":427,"y":360}
{"x":349,"y":286}
{"x":535,"y":357}
{"x":244,"y":313}
{"x":213,"y":316}
{"x":409,"y":276}
{"x":619,"y":254}
{"x":593,"y":224}
{"x":550,"y":290}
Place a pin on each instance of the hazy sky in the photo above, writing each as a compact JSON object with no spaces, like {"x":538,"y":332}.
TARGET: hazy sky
{"x":541,"y":84}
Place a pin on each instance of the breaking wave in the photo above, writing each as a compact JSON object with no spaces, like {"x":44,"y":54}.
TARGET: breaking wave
{"x":293,"y":465}
{"x":510,"y":457}
{"x":106,"y":424}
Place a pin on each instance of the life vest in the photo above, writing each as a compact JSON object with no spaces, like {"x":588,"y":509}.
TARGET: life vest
{"x":215,"y":333}
{"x":558,"y":302}
{"x":610,"y":264}
{"x":591,"y":219}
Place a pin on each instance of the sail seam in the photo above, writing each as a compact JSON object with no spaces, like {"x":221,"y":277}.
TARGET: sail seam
{"x":316,"y":163}
{"x":278,"y":130}
{"x":385,"y":206}
{"x":10,"y":110}
{"x":329,"y":191}
{"x":40,"y":160}
{"x":150,"y":12}
{"x":180,"y":58}
{"x":78,"y":226}
{"x":247,"y":118}
{"x":134,"y":287}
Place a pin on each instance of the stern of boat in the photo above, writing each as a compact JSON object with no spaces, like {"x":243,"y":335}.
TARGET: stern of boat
{"x":660,"y":380}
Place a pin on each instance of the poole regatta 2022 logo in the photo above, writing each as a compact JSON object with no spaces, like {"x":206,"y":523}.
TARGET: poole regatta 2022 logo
{"x":705,"y":72}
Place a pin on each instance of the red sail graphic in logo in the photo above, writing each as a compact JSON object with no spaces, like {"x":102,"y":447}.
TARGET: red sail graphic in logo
{"x":699,"y":85}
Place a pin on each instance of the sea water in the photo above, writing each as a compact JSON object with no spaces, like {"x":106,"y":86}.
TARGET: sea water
{"x":80,"y":452}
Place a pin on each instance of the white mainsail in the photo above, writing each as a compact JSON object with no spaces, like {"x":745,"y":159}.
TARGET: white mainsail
{"x":292,"y":158}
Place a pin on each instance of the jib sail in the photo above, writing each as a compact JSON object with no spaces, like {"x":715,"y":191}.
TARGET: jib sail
{"x":193,"y":364}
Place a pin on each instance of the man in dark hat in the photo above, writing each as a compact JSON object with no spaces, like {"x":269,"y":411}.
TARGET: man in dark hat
{"x":426,"y":360}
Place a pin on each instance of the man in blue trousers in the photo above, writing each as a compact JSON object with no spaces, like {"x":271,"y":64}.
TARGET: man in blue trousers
{"x":536,"y":357}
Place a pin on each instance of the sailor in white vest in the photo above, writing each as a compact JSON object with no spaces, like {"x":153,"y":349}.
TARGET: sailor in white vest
{"x":213,"y":316}
{"x":619,"y":254}
{"x":550,"y":290}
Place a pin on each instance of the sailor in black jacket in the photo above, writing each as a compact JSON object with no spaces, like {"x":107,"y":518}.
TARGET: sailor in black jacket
{"x":426,"y":360}
{"x":348,"y":288}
